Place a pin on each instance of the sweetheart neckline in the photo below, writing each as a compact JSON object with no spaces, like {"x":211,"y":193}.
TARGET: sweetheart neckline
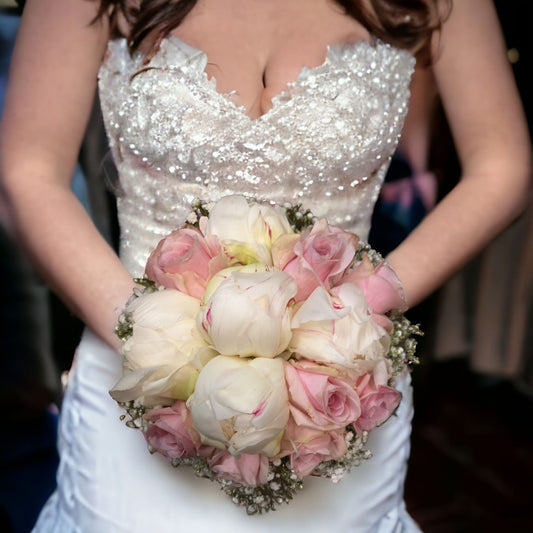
{"x":334,"y":53}
{"x":278,"y":99}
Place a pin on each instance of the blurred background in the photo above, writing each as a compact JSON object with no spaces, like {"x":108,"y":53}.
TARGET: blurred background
{"x":471,"y":466}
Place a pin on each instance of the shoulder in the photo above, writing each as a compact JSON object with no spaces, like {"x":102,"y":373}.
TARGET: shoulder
{"x":475,"y":79}
{"x":52,"y":78}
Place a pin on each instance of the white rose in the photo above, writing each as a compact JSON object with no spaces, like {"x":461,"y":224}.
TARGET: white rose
{"x":165,"y":352}
{"x":247,"y":314}
{"x":241,"y":404}
{"x":246,"y":230}
{"x":338,"y":328}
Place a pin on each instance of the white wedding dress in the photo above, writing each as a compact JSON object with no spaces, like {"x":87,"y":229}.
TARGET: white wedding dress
{"x":326,"y":143}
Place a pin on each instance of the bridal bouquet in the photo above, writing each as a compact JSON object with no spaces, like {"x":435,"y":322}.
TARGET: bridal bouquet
{"x":262,"y":349}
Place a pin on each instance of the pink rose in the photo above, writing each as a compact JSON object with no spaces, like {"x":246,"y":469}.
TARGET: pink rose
{"x":382,"y":289}
{"x":185,"y":260}
{"x":317,"y":258}
{"x":172,"y":433}
{"x":378,"y":401}
{"x":319,"y":398}
{"x":248,"y":470}
{"x":309,"y":447}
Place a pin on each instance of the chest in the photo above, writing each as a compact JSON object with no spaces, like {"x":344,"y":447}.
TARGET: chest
{"x":255,"y":48}
{"x":343,"y":115}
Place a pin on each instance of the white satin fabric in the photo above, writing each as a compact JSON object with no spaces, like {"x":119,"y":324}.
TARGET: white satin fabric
{"x":109,"y":483}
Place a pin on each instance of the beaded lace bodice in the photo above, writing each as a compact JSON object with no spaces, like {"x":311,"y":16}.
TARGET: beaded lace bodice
{"x":325,"y":143}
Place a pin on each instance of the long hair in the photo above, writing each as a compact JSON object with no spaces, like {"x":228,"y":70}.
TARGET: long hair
{"x":406,"y":24}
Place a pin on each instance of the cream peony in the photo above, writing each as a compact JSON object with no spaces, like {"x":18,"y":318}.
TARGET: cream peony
{"x":247,"y":313}
{"x":165,"y":352}
{"x":245,"y":229}
{"x":337,"y":327}
{"x":241,"y":405}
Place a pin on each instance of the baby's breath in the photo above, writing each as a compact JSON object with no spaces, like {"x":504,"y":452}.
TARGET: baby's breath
{"x":124,"y":327}
{"x":356,"y":453}
{"x":199,"y":209}
{"x":135,"y":412}
{"x":281,"y":487}
{"x":299,"y":218}
{"x":403,"y":345}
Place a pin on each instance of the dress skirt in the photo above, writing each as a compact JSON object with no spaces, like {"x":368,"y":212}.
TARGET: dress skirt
{"x":109,"y":483}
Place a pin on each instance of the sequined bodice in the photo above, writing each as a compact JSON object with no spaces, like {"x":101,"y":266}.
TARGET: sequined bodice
{"x":325,"y":143}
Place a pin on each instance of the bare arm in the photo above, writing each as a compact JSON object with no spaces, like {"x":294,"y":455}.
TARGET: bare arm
{"x":50,"y":93}
{"x":485,"y":115}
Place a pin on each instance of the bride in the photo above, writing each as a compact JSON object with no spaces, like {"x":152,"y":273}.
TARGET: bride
{"x":284,"y":100}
